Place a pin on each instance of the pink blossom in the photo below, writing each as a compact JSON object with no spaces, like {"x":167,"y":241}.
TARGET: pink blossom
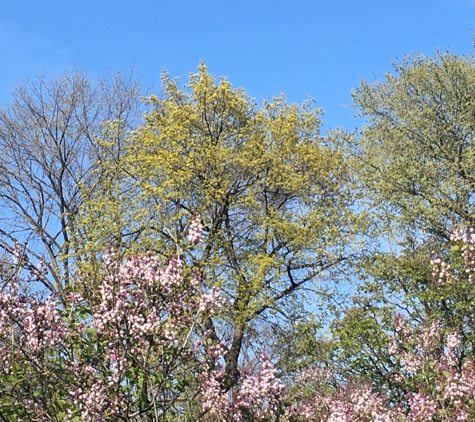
{"x":453,"y":340}
{"x":195,"y":231}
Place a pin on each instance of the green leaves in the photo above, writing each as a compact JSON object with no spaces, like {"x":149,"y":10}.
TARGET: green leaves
{"x":416,"y":150}
{"x":271,"y":193}
{"x":414,"y":160}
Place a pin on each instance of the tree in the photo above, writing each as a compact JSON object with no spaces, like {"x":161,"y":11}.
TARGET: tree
{"x":49,"y":141}
{"x":131,"y":353}
{"x":125,"y":354}
{"x":415,"y":151}
{"x":415,"y":160}
{"x":271,"y":193}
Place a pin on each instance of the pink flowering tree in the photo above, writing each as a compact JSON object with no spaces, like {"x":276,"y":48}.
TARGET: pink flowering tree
{"x":432,"y":381}
{"x":128,"y":352}
{"x":436,"y":381}
{"x":138,"y":349}
{"x":257,"y":396}
{"x":429,"y":363}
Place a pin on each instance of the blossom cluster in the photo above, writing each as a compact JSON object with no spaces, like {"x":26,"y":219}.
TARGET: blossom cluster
{"x":125,"y":350}
{"x":256,"y":397}
{"x":428,"y":356}
{"x":195,"y":231}
{"x":137,"y":348}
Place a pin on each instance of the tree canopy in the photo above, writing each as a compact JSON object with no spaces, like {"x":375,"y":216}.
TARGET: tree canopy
{"x":414,"y":159}
{"x":416,"y":147}
{"x":194,"y":255}
{"x":49,"y":141}
{"x":271,"y":192}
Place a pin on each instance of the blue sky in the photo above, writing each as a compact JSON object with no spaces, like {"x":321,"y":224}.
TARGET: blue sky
{"x":316,"y":48}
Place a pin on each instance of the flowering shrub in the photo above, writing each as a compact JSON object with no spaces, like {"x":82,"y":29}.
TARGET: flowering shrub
{"x":257,"y":397}
{"x":431,"y":382}
{"x":137,"y":350}
{"x":126,"y":355}
{"x":433,"y":373}
{"x":123,"y":354}
{"x":439,"y":383}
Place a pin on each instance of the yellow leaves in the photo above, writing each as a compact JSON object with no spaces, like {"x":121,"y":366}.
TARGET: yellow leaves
{"x":260,"y":177}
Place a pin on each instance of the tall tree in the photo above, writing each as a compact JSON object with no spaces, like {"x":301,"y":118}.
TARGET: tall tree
{"x":415,"y":156}
{"x":49,"y":141}
{"x":270,"y":191}
{"x":416,"y":149}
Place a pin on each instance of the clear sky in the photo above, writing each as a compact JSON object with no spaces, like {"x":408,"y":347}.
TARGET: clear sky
{"x":316,"y":48}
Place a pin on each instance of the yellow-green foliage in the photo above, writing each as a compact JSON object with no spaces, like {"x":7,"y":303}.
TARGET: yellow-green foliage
{"x":417,"y":147}
{"x":270,"y":191}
